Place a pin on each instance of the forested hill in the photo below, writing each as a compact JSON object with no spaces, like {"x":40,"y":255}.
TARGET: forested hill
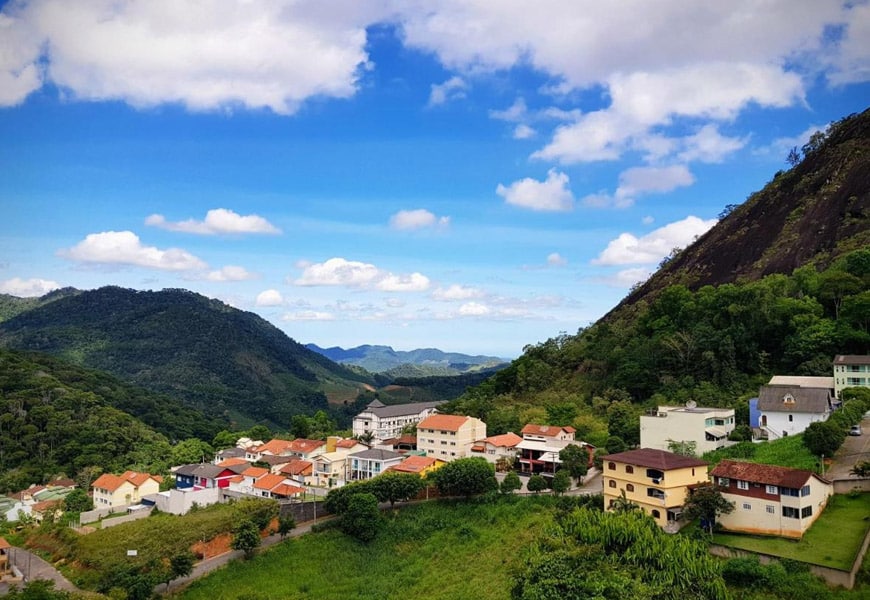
{"x":228,"y":363}
{"x":779,"y":286}
{"x":428,"y":361}
{"x":810,"y":214}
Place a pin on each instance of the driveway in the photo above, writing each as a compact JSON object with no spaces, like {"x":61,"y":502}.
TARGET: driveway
{"x":855,"y":449}
{"x":33,"y":567}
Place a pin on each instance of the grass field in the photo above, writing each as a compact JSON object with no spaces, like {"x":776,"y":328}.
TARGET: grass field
{"x":832,"y":541}
{"x":785,"y":452}
{"x":439,"y":550}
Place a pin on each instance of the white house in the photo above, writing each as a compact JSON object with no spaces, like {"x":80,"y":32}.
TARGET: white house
{"x":708,"y":428}
{"x":770,"y":500}
{"x":371,"y":463}
{"x":498,"y":447}
{"x":385,"y":422}
{"x":789,"y":409}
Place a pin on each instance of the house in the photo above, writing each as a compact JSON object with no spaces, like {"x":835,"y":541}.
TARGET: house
{"x":789,"y":409}
{"x":770,"y":500}
{"x":449,"y":437}
{"x":656,"y":480}
{"x":498,"y":449}
{"x":384,"y":422}
{"x":5,"y":563}
{"x":540,"y":447}
{"x":270,"y":448}
{"x":371,"y":463}
{"x":244,"y":482}
{"x":406,"y":442}
{"x":227,"y":453}
{"x":13,"y":508}
{"x":114,"y":491}
{"x":330,"y":468}
{"x":276,"y":486}
{"x":851,"y":370}
{"x":299,"y":471}
{"x":419,"y":465}
{"x":207,"y":475}
{"x":708,"y":428}
{"x":46,"y":508}
{"x":305,"y":449}
{"x":349,"y":445}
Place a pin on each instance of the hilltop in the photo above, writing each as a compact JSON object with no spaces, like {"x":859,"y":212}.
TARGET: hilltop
{"x":421,"y":362}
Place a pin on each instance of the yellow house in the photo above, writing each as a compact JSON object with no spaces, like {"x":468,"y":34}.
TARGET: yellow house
{"x":419,"y":465}
{"x":656,"y":480}
{"x":115,"y":491}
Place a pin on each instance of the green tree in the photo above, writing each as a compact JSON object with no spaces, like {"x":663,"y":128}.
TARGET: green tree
{"x":623,"y":504}
{"x":286,"y":524}
{"x":823,"y":438}
{"x":362,"y":517}
{"x":259,"y":432}
{"x":576,"y":460}
{"x":683,"y":448}
{"x":536,"y":483}
{"x":861,"y":469}
{"x":259,"y":511}
{"x":180,"y":565}
{"x":510,"y":483}
{"x":623,"y":421}
{"x":835,"y":285}
{"x":561,"y":482}
{"x":77,"y":501}
{"x":246,"y":538}
{"x":464,"y":477}
{"x":191,"y":451}
{"x":706,"y":502}
{"x":300,"y":426}
{"x":394,"y":487}
{"x":614,"y":445}
{"x":225,"y":439}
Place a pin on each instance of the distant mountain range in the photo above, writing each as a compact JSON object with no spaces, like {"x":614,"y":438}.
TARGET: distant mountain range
{"x":411,"y":363}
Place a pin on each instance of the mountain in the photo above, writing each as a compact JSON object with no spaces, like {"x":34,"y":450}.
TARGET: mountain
{"x":57,"y":418}
{"x":779,"y":285}
{"x":11,"y":306}
{"x":228,"y":363}
{"x":400,"y":363}
{"x":808,"y":215}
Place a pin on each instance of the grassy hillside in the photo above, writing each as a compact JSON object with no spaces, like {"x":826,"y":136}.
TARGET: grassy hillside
{"x":226,"y":362}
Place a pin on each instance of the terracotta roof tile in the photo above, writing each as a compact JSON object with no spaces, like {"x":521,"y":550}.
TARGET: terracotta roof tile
{"x":255,"y":472}
{"x":443,"y":422}
{"x":415,"y":464}
{"x":304,"y":446}
{"x":505,"y":440}
{"x":285,"y":489}
{"x":267,"y":482}
{"x":655,"y":459}
{"x":765,"y":474}
{"x":297,"y":467}
{"x":107,"y":481}
{"x":230,"y":462}
{"x":546,"y":430}
{"x":274,"y":447}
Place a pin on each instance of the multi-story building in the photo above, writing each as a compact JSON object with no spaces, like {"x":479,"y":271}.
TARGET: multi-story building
{"x":851,"y":370}
{"x":538,"y":452}
{"x":371,"y":463}
{"x":114,"y":491}
{"x":655,"y":480}
{"x":384,"y":422}
{"x":770,"y":500}
{"x":449,"y":437}
{"x":708,"y":428}
{"x":789,"y":409}
{"x":498,"y":449}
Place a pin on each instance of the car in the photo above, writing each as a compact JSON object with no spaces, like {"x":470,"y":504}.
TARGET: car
{"x":855,"y":430}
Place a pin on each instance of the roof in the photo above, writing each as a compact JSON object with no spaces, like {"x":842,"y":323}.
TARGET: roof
{"x":347,"y":443}
{"x":505,"y":440}
{"x":803,"y":381}
{"x":107,"y":481}
{"x":805,"y":400}
{"x":765,"y":474}
{"x":267,"y":482}
{"x":231,"y":462}
{"x":852,"y":359}
{"x":443,"y":422}
{"x":297,"y":467}
{"x":275,"y":460}
{"x":138,"y":479}
{"x":655,"y":459}
{"x":234,"y":452}
{"x":415,"y":464}
{"x":399,"y":410}
{"x":4,"y":544}
{"x":377,"y":454}
{"x":408,"y":439}
{"x":255,"y":472}
{"x":285,"y":489}
{"x":273,"y":447}
{"x":304,"y":446}
{"x":717,"y":432}
{"x":546,"y":430}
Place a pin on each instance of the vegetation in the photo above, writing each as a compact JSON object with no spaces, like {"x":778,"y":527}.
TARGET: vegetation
{"x":823,"y":438}
{"x":361,"y":519}
{"x":785,"y":452}
{"x":246,"y":537}
{"x":464,"y":477}
{"x":706,"y":503}
{"x":510,"y":483}
{"x":576,"y":460}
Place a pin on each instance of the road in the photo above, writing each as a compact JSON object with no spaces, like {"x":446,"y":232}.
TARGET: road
{"x":33,"y":567}
{"x":855,"y":449}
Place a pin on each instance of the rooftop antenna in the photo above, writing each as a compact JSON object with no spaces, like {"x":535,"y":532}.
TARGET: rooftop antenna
{"x":691,"y":404}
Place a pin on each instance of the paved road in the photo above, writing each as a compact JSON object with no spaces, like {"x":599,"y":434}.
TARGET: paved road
{"x":33,"y":567}
{"x":856,"y":448}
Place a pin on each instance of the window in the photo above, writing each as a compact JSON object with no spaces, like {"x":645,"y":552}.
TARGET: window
{"x":612,"y":483}
{"x":611,"y":466}
{"x":805,"y":491}
{"x":747,"y":506}
{"x":791,"y":513}
{"x":770,"y":509}
{"x":629,"y":487}
{"x":789,"y":492}
{"x":629,"y":469}
{"x":742,"y":485}
{"x":806,"y":511}
{"x":771,"y":489}
{"x":791,"y":418}
{"x":654,"y":493}
{"x":724,"y":481}
{"x":656,"y":514}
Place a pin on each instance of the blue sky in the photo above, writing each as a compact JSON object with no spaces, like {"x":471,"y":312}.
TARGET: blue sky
{"x":469,"y":175}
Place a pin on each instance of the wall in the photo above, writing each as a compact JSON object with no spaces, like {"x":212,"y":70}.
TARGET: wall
{"x":91,"y":516}
{"x":844,"y":486}
{"x":179,"y":502}
{"x":134,"y":516}
{"x":303,"y":511}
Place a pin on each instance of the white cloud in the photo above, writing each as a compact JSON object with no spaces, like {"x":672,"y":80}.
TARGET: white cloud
{"x":409,"y":220}
{"x":851,"y":57}
{"x":452,"y":89}
{"x":524,"y":132}
{"x":628,"y":249}
{"x":27,"y":288}
{"x":124,"y":248}
{"x":354,"y":274}
{"x":629,"y":277}
{"x":780,"y":147}
{"x":648,"y":220}
{"x":269,"y":298}
{"x":217,"y":221}
{"x":474,"y":309}
{"x":456,"y":292}
{"x":308,"y":315}
{"x":205,"y":55}
{"x":230,"y":273}
{"x":556,"y":260}
{"x":549,"y":195}
{"x":515,"y":113}
{"x":19,"y":46}
{"x":709,"y":146}
{"x":639,"y":181}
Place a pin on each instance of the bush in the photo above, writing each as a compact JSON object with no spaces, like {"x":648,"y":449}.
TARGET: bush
{"x":362,"y":517}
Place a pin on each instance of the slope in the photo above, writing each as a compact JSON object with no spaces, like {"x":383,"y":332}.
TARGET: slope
{"x":226,"y":362}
